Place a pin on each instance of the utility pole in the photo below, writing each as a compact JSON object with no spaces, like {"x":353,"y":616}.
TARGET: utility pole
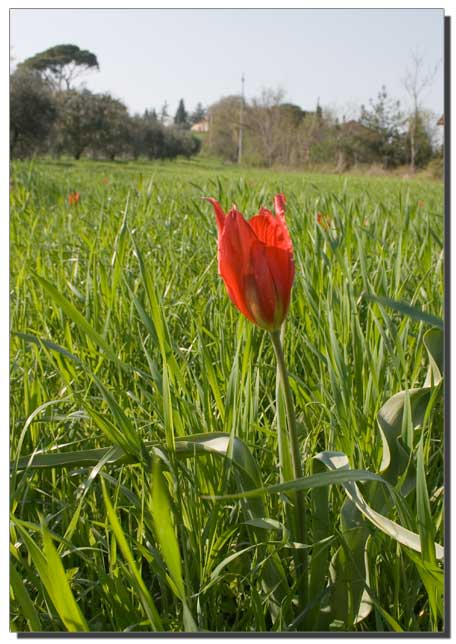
{"x":241,"y":123}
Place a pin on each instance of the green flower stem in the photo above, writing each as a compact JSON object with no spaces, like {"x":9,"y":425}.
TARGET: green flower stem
{"x":300,"y":508}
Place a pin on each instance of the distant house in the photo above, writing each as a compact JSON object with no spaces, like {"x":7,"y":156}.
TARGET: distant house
{"x":441,"y":120}
{"x":354,"y":142}
{"x":355,"y":128}
{"x":201,"y":126}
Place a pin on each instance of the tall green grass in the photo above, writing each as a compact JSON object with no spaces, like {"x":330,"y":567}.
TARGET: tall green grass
{"x":151,"y":402}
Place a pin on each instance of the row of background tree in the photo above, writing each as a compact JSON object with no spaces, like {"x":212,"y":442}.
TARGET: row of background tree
{"x":49,"y":115}
{"x":279,"y":133}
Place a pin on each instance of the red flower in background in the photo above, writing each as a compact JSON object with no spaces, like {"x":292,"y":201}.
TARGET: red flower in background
{"x":323,"y":220}
{"x":255,"y":260}
{"x":73,"y":198}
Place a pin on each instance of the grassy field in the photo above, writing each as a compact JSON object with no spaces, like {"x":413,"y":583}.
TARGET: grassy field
{"x":139,"y":394}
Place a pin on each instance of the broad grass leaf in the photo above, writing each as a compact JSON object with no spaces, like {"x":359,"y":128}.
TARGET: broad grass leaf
{"x":396,"y":460}
{"x":434,"y":340}
{"x":336,"y":462}
{"x":81,"y":458}
{"x":52,"y":346}
{"x":267,"y":524}
{"x":306,"y":483}
{"x":196,"y":445}
{"x":349,"y":598}
{"x":320,"y":556}
{"x":404,"y":308}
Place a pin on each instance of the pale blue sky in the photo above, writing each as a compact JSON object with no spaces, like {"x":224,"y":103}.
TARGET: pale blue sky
{"x":148,"y":56}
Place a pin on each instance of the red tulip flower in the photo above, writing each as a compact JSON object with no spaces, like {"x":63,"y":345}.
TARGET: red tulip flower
{"x":73,"y":198}
{"x":255,"y":260}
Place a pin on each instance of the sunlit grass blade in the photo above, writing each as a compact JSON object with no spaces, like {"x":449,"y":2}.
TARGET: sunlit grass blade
{"x":136,"y":579}
{"x":52,"y":573}
{"x":21,"y":594}
{"x":424,"y":515}
{"x":166,"y":536}
{"x":72,"y":312}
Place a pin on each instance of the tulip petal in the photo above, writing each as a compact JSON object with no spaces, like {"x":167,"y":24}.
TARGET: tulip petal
{"x":279,"y":205}
{"x":262,"y":297}
{"x":271,"y":230}
{"x":234,"y":251}
{"x":282,"y":270}
{"x":219,"y":214}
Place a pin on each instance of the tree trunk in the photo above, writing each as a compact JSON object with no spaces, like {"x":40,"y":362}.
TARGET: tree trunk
{"x":13,"y":140}
{"x":413,"y":142}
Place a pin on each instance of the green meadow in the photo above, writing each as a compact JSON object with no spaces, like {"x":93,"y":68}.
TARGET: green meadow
{"x":150,"y":489}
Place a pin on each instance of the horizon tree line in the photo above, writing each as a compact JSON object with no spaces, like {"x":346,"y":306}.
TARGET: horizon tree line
{"x":48,"y":115}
